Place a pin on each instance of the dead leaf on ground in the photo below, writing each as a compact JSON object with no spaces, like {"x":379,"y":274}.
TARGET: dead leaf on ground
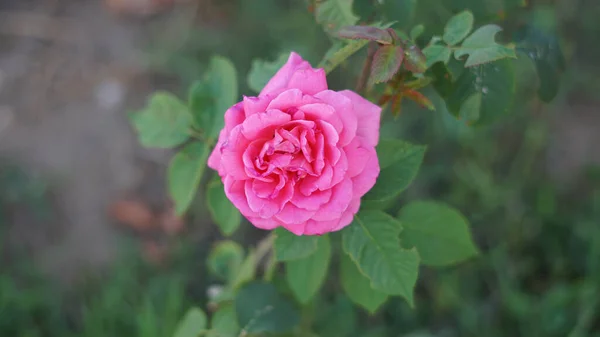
{"x":133,"y":214}
{"x":170,"y":222}
{"x":154,"y":252}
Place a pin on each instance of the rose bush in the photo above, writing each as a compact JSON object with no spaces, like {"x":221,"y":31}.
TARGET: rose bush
{"x":298,"y":155}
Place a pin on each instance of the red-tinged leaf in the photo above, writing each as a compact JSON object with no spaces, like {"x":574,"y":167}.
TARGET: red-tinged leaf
{"x":386,"y":63}
{"x":366,"y":33}
{"x":416,"y":61}
{"x":384,"y":99}
{"x":421,"y":99}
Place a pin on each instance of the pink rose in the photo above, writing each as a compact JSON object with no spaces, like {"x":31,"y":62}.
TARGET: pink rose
{"x":299,"y":155}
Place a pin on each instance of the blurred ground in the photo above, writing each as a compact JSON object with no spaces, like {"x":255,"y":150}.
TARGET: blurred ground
{"x":69,"y":70}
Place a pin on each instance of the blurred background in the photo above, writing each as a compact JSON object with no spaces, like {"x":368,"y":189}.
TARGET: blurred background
{"x":89,"y":245}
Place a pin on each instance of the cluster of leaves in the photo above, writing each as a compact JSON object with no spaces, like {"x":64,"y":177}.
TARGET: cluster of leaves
{"x":167,"y":122}
{"x":380,"y":253}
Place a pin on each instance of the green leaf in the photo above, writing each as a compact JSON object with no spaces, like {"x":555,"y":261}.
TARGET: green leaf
{"x":164,"y":123}
{"x":545,"y":51}
{"x":305,"y":276}
{"x":358,"y":287}
{"x":399,"y":162}
{"x":373,"y":244}
{"x":386,"y":63}
{"x":184,"y":174}
{"x":366,"y":33}
{"x":225,"y":260}
{"x":416,"y":32}
{"x":192,"y":324}
{"x":495,"y":81}
{"x":469,"y":110}
{"x":262,"y":71}
{"x":213,"y":95}
{"x":402,"y":11}
{"x":222,"y":211}
{"x":260,"y":309}
{"x":458,"y":27}
{"x":438,"y":232}
{"x":339,"y":52}
{"x":482,"y":47}
{"x":224,"y":323}
{"x":335,"y":14}
{"x":289,"y":246}
{"x":415,"y":61}
{"x":436,"y":53}
{"x":338,"y":319}
{"x":247,"y":271}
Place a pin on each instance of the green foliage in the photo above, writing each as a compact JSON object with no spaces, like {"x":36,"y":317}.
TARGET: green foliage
{"x":164,"y":123}
{"x":262,"y":71}
{"x":289,"y":246}
{"x":358,"y":287}
{"x":225,"y":260}
{"x":496,"y":83}
{"x":213,"y":95}
{"x":366,"y":33}
{"x":192,"y":324}
{"x":335,"y":14}
{"x":386,"y":62}
{"x":260,"y":308}
{"x":184,"y":174}
{"x":224,"y":323}
{"x":399,"y":162}
{"x":222,"y":211}
{"x":378,"y":257}
{"x":415,"y":60}
{"x":373,"y":244}
{"x":437,"y":53}
{"x":339,"y":52}
{"x":481,"y":47}
{"x":458,"y":27}
{"x":306,"y":275}
{"x":438,"y":232}
{"x":545,"y":51}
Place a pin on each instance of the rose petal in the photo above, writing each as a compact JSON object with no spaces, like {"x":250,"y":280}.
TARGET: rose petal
{"x":264,"y":223}
{"x":260,"y":124}
{"x":235,"y":192}
{"x":290,"y":99}
{"x":321,"y":111}
{"x":340,"y":199}
{"x":296,"y":228}
{"x":357,"y":156}
{"x":340,"y":169}
{"x":312,"y":202}
{"x":365,"y":180}
{"x":331,"y":135}
{"x":368,"y":116}
{"x":214,"y":160}
{"x":348,"y":216}
{"x":264,"y":207}
{"x":253,"y":105}
{"x":309,"y":81}
{"x":345,"y":110}
{"x":291,"y":214}
{"x":284,"y":74}
{"x":232,"y":152}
